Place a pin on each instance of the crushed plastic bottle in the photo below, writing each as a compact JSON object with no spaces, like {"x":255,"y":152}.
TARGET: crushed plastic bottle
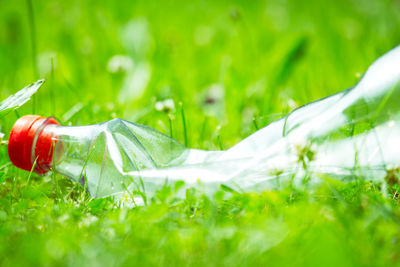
{"x":354,"y":132}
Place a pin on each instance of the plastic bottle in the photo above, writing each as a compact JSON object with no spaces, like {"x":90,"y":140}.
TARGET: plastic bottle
{"x":354,"y":132}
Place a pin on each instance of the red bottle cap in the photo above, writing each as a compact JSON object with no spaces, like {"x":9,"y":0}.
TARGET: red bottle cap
{"x":30,"y":142}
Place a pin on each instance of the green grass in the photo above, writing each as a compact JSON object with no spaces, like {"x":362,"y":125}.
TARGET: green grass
{"x":235,"y":66}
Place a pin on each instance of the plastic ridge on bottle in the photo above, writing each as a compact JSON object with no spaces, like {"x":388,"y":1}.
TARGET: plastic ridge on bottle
{"x":354,"y":132}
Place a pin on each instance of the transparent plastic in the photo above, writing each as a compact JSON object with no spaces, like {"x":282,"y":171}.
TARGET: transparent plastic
{"x":355,"y":133}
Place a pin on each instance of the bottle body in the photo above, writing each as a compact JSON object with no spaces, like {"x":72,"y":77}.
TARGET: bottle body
{"x":102,"y":157}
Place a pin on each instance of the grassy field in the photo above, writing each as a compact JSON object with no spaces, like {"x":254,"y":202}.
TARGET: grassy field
{"x":232,"y":67}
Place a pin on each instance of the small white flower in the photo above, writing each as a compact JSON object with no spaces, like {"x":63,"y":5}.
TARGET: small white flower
{"x":2,"y":142}
{"x":215,"y":93}
{"x":212,"y":101}
{"x":120,"y":63}
{"x":166,"y":106}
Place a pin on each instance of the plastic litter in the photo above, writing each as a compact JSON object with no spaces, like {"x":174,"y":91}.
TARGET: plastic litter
{"x":356,"y":131}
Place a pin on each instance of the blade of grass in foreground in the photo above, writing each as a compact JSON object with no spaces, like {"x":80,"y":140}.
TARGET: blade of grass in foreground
{"x":15,"y":101}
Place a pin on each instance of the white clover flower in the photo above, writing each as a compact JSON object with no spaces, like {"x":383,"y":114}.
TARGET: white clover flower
{"x":120,"y":63}
{"x":2,"y":142}
{"x":212,"y":101}
{"x":166,"y":106}
{"x":214,"y":94}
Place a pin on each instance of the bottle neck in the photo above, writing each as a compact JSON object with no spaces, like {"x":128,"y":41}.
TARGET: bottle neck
{"x":54,"y":142}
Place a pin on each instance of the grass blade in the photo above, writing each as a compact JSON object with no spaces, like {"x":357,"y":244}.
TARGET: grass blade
{"x":15,"y":101}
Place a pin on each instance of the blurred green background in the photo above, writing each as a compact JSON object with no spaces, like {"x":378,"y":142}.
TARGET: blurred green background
{"x":232,"y":67}
{"x":227,"y":62}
